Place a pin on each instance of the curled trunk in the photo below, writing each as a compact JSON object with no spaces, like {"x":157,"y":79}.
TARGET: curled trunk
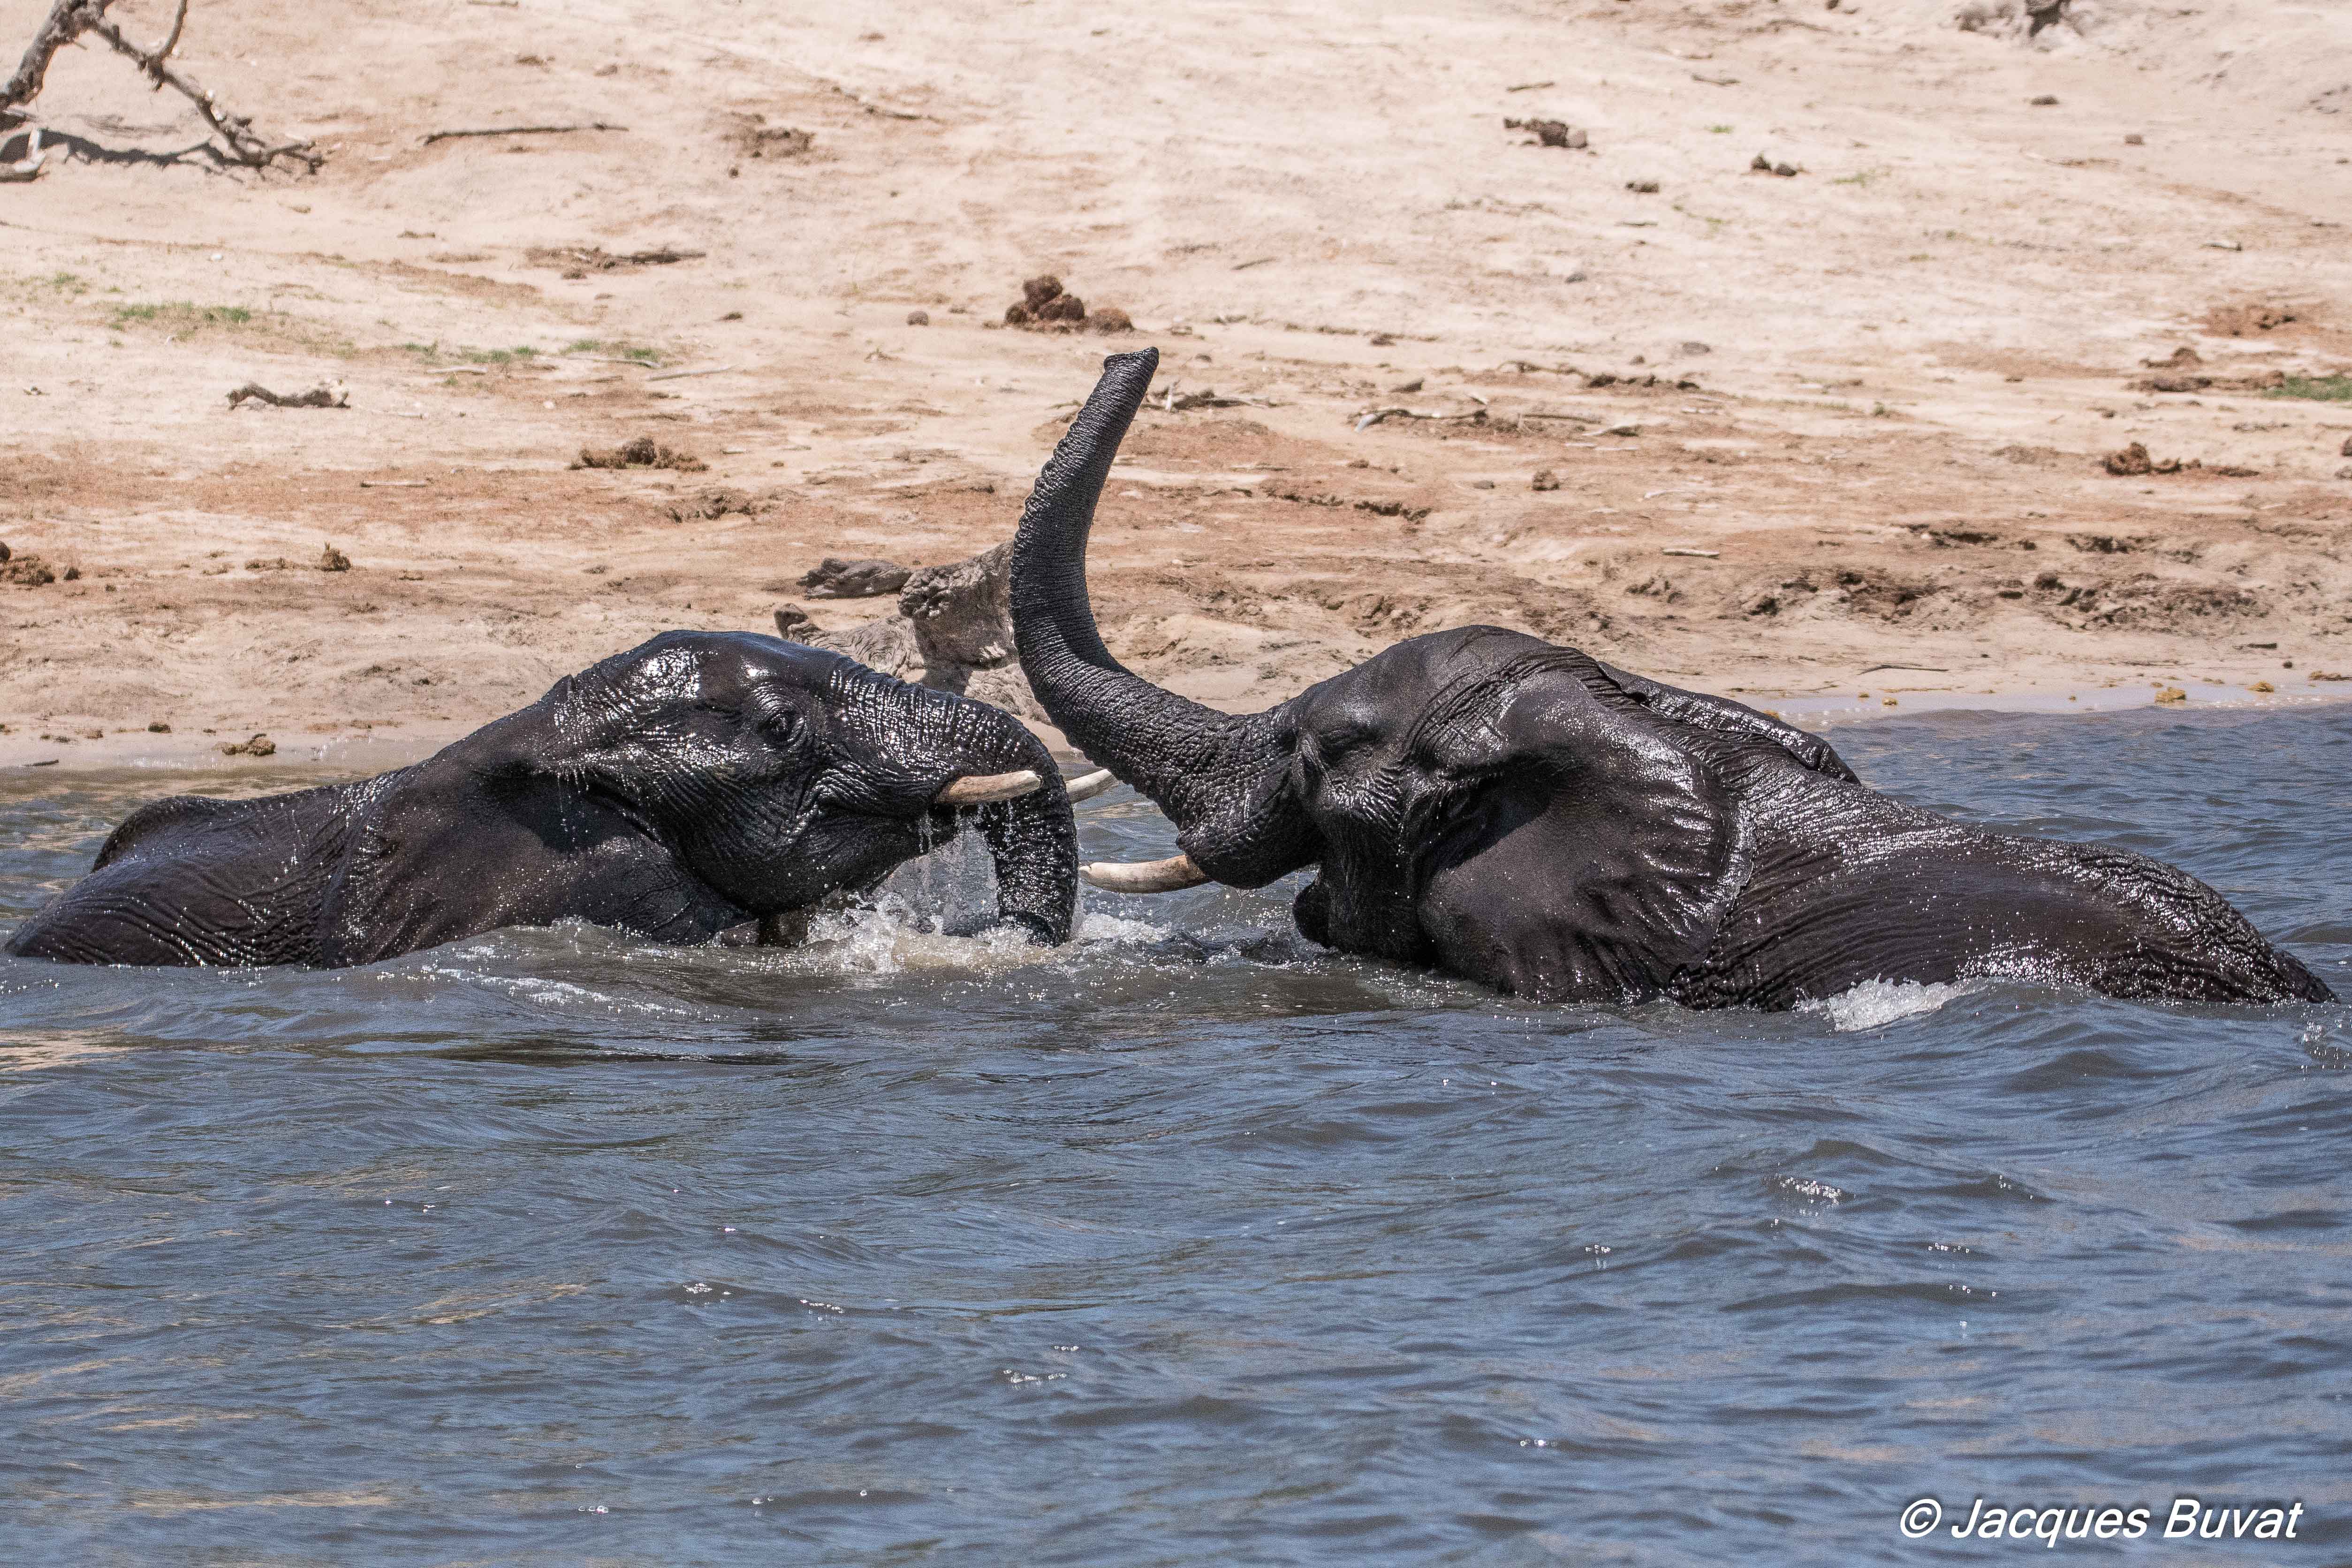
{"x":1222,"y":777}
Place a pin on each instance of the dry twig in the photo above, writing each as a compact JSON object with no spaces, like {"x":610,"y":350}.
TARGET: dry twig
{"x":523,"y":131}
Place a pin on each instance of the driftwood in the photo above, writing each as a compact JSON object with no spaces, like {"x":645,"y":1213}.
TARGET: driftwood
{"x":522,"y":131}
{"x":834,"y":578}
{"x":68,"y":20}
{"x":585,"y":259}
{"x":953,"y":632}
{"x":317,"y":397}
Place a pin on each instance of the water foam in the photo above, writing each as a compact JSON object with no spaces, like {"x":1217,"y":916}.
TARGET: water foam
{"x":1873,"y":1003}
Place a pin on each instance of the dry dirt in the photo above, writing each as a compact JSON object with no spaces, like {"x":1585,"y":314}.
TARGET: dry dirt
{"x":1803,"y":428}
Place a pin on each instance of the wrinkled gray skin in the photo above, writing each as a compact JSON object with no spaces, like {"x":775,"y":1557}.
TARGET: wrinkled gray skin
{"x":695,"y":784}
{"x":1503,"y":809}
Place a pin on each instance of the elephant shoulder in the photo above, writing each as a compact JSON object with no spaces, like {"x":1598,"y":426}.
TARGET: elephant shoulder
{"x":198,"y":824}
{"x":451,"y":850}
{"x":195,"y":880}
{"x":152,"y":824}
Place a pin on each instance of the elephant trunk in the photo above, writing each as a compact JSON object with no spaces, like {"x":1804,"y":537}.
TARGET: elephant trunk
{"x":1221,"y":776}
{"x":983,"y":761}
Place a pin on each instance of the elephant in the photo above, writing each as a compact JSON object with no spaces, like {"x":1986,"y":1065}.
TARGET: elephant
{"x":692,"y":786}
{"x":1496,"y":807}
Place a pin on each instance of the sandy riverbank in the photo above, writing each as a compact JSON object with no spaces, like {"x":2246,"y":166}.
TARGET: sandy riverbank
{"x":1882,"y":389}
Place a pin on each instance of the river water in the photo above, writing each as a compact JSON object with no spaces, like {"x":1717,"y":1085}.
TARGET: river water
{"x":1188,"y":1243}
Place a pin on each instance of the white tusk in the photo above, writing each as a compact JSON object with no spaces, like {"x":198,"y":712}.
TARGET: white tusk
{"x":1086,"y":786}
{"x":1171,"y":875}
{"x":979,"y":789}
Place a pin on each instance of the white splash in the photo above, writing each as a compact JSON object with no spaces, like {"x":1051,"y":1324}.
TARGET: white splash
{"x":890,"y":938}
{"x":1875,"y":1003}
{"x":1112,"y":929}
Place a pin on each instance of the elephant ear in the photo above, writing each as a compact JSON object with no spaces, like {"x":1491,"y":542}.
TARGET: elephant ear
{"x":1593,"y":857}
{"x":1723,"y":717}
{"x":450,"y":848}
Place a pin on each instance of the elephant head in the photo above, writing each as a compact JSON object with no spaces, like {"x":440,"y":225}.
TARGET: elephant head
{"x":1520,"y":813}
{"x":694,"y":784}
{"x":783,"y":773}
{"x":771,"y":774}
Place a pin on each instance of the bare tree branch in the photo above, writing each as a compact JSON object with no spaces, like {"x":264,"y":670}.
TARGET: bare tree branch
{"x":65,"y":23}
{"x":69,"y":19}
{"x":168,"y":45}
{"x":244,"y":145}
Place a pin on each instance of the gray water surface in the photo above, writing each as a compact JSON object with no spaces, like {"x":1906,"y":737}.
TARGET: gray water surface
{"x":1187,"y":1243}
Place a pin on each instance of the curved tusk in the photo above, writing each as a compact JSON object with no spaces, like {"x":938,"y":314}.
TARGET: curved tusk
{"x":1086,"y":786}
{"x":979,"y":789}
{"x":1171,"y":875}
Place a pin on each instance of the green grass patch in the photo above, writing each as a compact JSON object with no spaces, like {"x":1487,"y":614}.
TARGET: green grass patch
{"x":2317,"y":389}
{"x":641,"y":354}
{"x":1719,"y":129}
{"x":180,"y":313}
{"x":435,"y":354}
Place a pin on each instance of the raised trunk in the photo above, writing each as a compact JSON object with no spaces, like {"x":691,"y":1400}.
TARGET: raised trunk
{"x":1221,"y":776}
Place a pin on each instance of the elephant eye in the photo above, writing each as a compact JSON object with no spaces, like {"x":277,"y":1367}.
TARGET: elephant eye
{"x":1340,"y":742}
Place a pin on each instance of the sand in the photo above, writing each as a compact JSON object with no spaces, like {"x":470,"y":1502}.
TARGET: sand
{"x":1809,"y":437}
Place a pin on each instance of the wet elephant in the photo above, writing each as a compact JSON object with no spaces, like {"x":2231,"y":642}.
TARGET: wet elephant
{"x":1517,"y":813}
{"x":702,"y":782}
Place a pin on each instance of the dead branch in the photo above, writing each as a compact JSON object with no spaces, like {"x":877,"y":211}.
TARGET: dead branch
{"x":69,"y":19}
{"x":179,"y":21}
{"x":585,"y":259}
{"x":522,"y":131}
{"x":317,"y":397}
{"x":1378,"y":415}
{"x":64,"y":24}
{"x":245,"y":146}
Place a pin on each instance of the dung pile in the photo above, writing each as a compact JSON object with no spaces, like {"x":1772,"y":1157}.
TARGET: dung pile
{"x":645,"y":452}
{"x":1045,"y":306}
